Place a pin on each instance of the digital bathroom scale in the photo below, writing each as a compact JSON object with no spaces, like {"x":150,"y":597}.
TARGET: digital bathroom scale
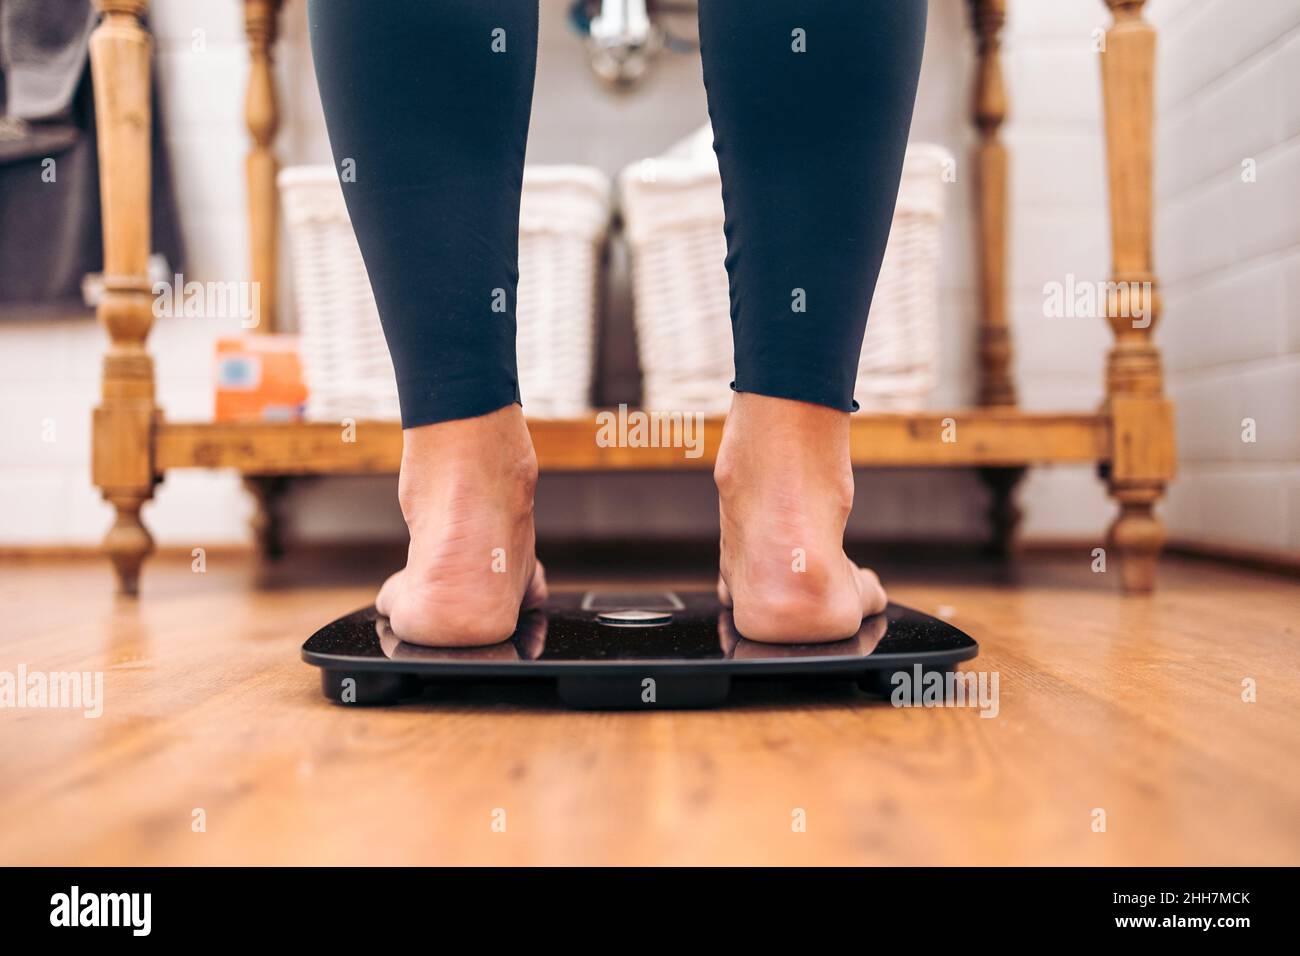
{"x":626,"y":649}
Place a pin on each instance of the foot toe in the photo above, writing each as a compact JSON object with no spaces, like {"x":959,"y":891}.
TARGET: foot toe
{"x":874,"y":598}
{"x":388,"y":594}
{"x":724,"y":593}
{"x":536,"y":593}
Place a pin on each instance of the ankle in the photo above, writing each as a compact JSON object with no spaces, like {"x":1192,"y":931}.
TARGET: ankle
{"x":794,"y":448}
{"x":493,"y":453}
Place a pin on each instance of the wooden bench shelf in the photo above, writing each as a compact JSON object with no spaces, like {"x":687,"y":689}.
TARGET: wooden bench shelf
{"x":984,"y":438}
{"x":1130,"y":438}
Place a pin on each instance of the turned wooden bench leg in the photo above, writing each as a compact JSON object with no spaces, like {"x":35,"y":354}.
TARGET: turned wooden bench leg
{"x":1137,"y":536}
{"x":122,"y":456}
{"x":1004,"y":514}
{"x":267,"y":521}
{"x":997,"y":387}
{"x":1142,"y":425}
{"x":262,"y":116}
{"x":128,"y":542}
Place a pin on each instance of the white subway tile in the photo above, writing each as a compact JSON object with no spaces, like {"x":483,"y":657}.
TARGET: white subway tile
{"x":1048,"y":243}
{"x":207,"y":172}
{"x":1053,"y":86}
{"x":1047,"y":393}
{"x":1194,"y":232}
{"x":1238,"y":118}
{"x":1293,"y":508}
{"x":1065,"y":502}
{"x":1208,"y":419}
{"x":1288,"y":77}
{"x":216,"y":248}
{"x":1290,"y":269}
{"x":1058,"y":347}
{"x":89,"y":515}
{"x":1178,"y":142}
{"x":184,"y":349}
{"x":1210,"y":409}
{"x":1271,"y":396}
{"x":1164,"y":14}
{"x":173,"y":22}
{"x":1243,"y":506}
{"x":204,"y":91}
{"x":956,"y":245}
{"x":199,"y":508}
{"x":45,"y":425}
{"x":33,"y":351}
{"x":1266,"y":213}
{"x":1074,"y":22}
{"x":1243,"y":30}
{"x":1057,"y":167}
{"x":1232,"y":317}
{"x":87,"y":345}
{"x":1190,"y":54}
{"x":36,"y":505}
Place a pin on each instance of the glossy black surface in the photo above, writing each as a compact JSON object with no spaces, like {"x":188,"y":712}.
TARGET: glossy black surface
{"x":692,"y":657}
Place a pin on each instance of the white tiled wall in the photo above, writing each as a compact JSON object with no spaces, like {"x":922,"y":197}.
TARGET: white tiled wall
{"x":1229,"y":255}
{"x":1058,"y":226}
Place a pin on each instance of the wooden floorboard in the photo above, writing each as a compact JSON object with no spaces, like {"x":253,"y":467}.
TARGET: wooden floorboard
{"x":1128,"y":705}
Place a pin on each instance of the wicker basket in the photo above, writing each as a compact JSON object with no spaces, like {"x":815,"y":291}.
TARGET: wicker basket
{"x":672,"y":207}
{"x":563,"y":216}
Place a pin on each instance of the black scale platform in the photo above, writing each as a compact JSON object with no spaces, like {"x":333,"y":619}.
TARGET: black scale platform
{"x":626,"y":649}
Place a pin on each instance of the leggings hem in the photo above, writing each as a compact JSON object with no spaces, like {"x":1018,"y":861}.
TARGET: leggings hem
{"x":799,"y":394}
{"x":454,"y":407}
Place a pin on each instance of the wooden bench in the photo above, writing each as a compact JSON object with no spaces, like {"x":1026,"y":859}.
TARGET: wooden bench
{"x":1130,"y":437}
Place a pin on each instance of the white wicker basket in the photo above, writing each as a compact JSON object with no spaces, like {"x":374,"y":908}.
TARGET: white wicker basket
{"x":563,"y":216}
{"x":672,"y":208}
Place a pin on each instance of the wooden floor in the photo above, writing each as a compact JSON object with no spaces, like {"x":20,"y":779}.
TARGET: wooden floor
{"x":1130,"y":705}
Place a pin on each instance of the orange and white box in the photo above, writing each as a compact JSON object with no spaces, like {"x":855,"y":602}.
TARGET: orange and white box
{"x":259,"y":379}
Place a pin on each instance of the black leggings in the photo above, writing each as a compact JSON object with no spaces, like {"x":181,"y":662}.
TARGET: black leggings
{"x":427,"y":105}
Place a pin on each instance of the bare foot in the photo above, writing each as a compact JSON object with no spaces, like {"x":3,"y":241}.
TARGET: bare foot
{"x":785,"y":488}
{"x":466,"y":490}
